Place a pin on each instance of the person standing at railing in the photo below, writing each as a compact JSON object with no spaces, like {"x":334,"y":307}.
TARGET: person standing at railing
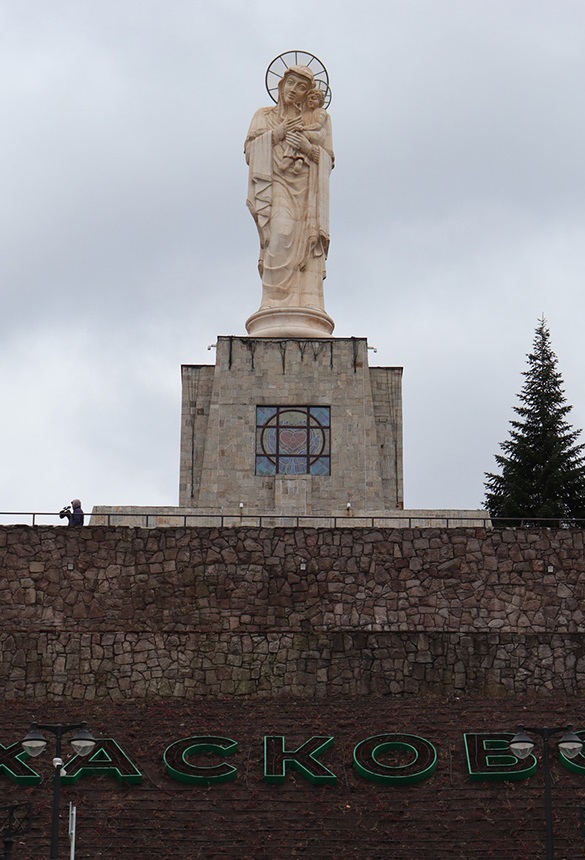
{"x":75,"y":516}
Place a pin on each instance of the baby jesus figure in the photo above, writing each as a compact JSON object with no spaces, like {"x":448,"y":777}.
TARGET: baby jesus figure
{"x":317,"y":118}
{"x":313,"y":128}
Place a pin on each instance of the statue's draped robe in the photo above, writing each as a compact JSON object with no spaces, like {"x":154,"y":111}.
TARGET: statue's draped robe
{"x":291,"y":211}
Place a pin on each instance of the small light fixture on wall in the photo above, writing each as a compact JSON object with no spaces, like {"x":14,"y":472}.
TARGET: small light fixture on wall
{"x":349,"y":510}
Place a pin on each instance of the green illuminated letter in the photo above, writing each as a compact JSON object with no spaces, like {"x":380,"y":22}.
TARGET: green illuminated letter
{"x":489,"y":757}
{"x":421,"y":762}
{"x":12,"y":764}
{"x":576,"y":765}
{"x":304,"y":759}
{"x":107,"y":759}
{"x":175,"y":759}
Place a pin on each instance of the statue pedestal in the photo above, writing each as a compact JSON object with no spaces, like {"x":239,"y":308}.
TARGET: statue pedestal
{"x":290,"y":322}
{"x":224,"y":433}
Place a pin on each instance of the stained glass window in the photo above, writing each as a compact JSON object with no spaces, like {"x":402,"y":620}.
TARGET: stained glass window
{"x":293,"y":440}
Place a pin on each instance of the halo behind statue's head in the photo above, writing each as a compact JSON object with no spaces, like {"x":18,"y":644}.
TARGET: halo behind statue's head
{"x":301,"y":63}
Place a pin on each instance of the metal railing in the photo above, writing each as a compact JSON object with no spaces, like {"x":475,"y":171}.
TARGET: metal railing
{"x":31,"y":517}
{"x":157,"y":518}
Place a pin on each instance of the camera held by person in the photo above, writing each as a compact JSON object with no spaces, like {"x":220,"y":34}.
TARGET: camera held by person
{"x":74,"y":516}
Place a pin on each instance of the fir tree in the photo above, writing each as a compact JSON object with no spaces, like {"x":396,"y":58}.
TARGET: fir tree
{"x":542,"y":466}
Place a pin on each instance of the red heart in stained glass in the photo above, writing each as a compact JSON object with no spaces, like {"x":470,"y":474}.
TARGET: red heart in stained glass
{"x":293,"y":442}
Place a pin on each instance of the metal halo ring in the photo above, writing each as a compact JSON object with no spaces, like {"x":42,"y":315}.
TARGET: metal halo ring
{"x":279,"y":65}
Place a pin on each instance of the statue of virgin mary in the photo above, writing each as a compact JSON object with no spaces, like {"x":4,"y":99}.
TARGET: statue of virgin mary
{"x":289,"y":151}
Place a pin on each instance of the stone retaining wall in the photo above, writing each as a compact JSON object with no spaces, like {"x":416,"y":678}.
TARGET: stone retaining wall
{"x":121,"y":613}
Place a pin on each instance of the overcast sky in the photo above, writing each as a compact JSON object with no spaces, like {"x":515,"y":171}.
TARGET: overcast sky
{"x":457,"y":219}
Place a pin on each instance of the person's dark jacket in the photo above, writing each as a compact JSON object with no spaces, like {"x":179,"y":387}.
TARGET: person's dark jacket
{"x":76,"y":518}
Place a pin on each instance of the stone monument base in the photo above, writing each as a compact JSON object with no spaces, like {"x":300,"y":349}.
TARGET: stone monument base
{"x":223,"y":461}
{"x":290,"y":322}
{"x":140,"y":516}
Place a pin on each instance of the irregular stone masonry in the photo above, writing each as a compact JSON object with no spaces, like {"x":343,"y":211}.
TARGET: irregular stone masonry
{"x":120,"y":613}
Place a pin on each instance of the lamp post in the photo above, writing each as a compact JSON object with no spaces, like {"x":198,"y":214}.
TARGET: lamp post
{"x":17,"y":823}
{"x":570,"y":745}
{"x":35,"y":743}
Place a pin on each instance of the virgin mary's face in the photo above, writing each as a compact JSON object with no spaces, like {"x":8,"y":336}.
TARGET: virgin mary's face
{"x":294,"y":89}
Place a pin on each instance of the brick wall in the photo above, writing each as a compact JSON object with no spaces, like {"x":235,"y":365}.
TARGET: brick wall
{"x":445,"y":817}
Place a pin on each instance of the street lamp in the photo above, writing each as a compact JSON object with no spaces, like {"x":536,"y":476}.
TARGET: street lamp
{"x":570,"y":745}
{"x":17,"y":823}
{"x":35,"y":743}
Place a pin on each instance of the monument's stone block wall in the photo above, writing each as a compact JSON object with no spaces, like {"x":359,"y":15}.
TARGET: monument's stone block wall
{"x":218,"y":427}
{"x":120,"y":613}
